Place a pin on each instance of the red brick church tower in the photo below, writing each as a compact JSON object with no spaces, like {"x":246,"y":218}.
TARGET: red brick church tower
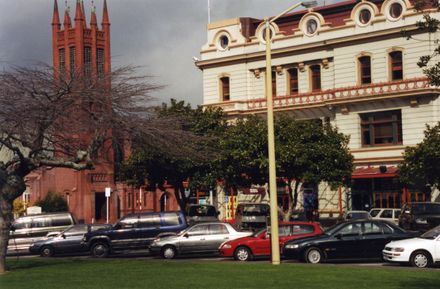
{"x":79,"y":48}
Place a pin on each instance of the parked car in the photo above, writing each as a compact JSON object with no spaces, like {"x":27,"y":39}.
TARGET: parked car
{"x":259,"y":244}
{"x":349,"y":215}
{"x":66,"y":242}
{"x":420,"y":252}
{"x":204,"y":238}
{"x":133,"y":232}
{"x":251,"y":215}
{"x":389,"y":214}
{"x":356,"y":239}
{"x":201,"y":213}
{"x":420,"y":216}
{"x":29,"y":229}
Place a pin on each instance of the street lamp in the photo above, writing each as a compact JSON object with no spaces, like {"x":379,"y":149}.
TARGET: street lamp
{"x":271,"y":135}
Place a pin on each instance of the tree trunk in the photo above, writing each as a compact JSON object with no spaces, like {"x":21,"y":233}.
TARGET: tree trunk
{"x":11,"y":187}
{"x":293,"y":196}
{"x":6,"y":218}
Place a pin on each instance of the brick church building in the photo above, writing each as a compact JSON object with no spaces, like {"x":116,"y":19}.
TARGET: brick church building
{"x":79,"y":46}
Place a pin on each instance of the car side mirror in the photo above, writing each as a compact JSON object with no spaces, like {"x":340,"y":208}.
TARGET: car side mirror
{"x":63,"y":236}
{"x":338,"y":236}
{"x":12,"y":228}
{"x":186,"y":235}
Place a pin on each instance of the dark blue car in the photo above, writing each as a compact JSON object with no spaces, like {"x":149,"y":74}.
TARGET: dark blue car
{"x":133,"y":232}
{"x":65,"y":242}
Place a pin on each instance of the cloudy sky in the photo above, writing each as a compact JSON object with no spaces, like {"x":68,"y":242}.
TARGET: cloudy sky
{"x":161,"y":36}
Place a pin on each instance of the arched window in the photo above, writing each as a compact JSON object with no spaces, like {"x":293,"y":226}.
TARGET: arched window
{"x":224,"y":89}
{"x":315,"y":77}
{"x":396,"y":65}
{"x":293,"y":80}
{"x":364,"y":69}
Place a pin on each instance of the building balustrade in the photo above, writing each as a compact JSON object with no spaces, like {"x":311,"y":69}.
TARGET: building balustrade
{"x":345,"y":94}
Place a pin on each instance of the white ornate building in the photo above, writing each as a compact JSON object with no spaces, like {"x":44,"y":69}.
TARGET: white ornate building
{"x":345,"y":63}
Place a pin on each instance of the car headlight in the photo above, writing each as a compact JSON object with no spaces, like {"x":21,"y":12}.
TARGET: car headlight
{"x":227,"y":246}
{"x":421,"y":221}
{"x":292,"y":246}
{"x":397,"y":249}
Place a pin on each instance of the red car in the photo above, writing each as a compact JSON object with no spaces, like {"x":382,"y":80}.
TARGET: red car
{"x":244,"y":249}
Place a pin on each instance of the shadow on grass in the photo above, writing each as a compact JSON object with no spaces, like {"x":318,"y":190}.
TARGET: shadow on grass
{"x":21,"y":264}
{"x":417,"y":283}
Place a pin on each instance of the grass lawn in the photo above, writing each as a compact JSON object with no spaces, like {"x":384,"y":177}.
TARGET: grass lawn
{"x":151,"y":274}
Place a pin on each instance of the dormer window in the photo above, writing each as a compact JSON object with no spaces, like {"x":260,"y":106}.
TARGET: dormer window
{"x":222,"y":41}
{"x":396,"y":10}
{"x":364,"y":16}
{"x":311,"y":26}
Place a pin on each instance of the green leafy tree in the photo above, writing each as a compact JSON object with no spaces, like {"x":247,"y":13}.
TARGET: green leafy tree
{"x":429,"y":24}
{"x":195,"y":161}
{"x":421,"y":165}
{"x":306,"y":152}
{"x":53,"y":202}
{"x":310,"y":152}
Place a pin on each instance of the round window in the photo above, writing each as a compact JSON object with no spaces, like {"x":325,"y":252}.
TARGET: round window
{"x":396,"y":10}
{"x":311,"y":26}
{"x":364,"y":16}
{"x":224,"y":41}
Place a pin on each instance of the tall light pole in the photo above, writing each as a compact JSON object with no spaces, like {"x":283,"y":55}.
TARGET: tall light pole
{"x":275,"y":249}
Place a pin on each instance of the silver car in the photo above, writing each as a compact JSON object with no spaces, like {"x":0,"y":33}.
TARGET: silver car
{"x":204,"y":238}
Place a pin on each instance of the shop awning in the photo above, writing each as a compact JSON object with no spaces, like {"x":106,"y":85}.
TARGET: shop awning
{"x":374,"y":172}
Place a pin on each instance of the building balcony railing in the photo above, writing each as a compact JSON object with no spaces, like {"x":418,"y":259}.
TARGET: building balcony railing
{"x":412,"y":86}
{"x":407,"y":86}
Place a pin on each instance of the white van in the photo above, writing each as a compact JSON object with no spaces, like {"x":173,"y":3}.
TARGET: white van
{"x":29,"y":229}
{"x":389,"y":214}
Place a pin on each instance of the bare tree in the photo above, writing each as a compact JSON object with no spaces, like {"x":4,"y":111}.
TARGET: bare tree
{"x":65,"y":121}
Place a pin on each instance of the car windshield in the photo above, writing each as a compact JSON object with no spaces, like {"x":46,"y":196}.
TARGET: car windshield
{"x":254,"y":210}
{"x":359,"y":215}
{"x":374,"y":212}
{"x":431,"y":234}
{"x":331,"y":230}
{"x":257,"y":233}
{"x":74,"y":229}
{"x":202,"y":211}
{"x":426,"y":209}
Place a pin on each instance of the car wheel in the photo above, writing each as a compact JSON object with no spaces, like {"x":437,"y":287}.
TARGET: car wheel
{"x":242,"y":254}
{"x":420,"y":259}
{"x":313,"y":255}
{"x":99,"y":250}
{"x":169,"y":252}
{"x":46,"y":251}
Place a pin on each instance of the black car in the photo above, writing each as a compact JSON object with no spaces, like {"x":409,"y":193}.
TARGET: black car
{"x":133,"y":232}
{"x":66,"y":242}
{"x":357,"y":239}
{"x":420,"y":216}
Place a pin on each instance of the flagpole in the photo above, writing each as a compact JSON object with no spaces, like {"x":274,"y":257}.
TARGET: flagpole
{"x":209,"y":11}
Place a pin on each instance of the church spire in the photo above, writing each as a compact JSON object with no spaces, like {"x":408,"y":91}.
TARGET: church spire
{"x":105,"y":19}
{"x":56,"y":16}
{"x":67,"y":21}
{"x":93,"y":21}
{"x":78,"y":13}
